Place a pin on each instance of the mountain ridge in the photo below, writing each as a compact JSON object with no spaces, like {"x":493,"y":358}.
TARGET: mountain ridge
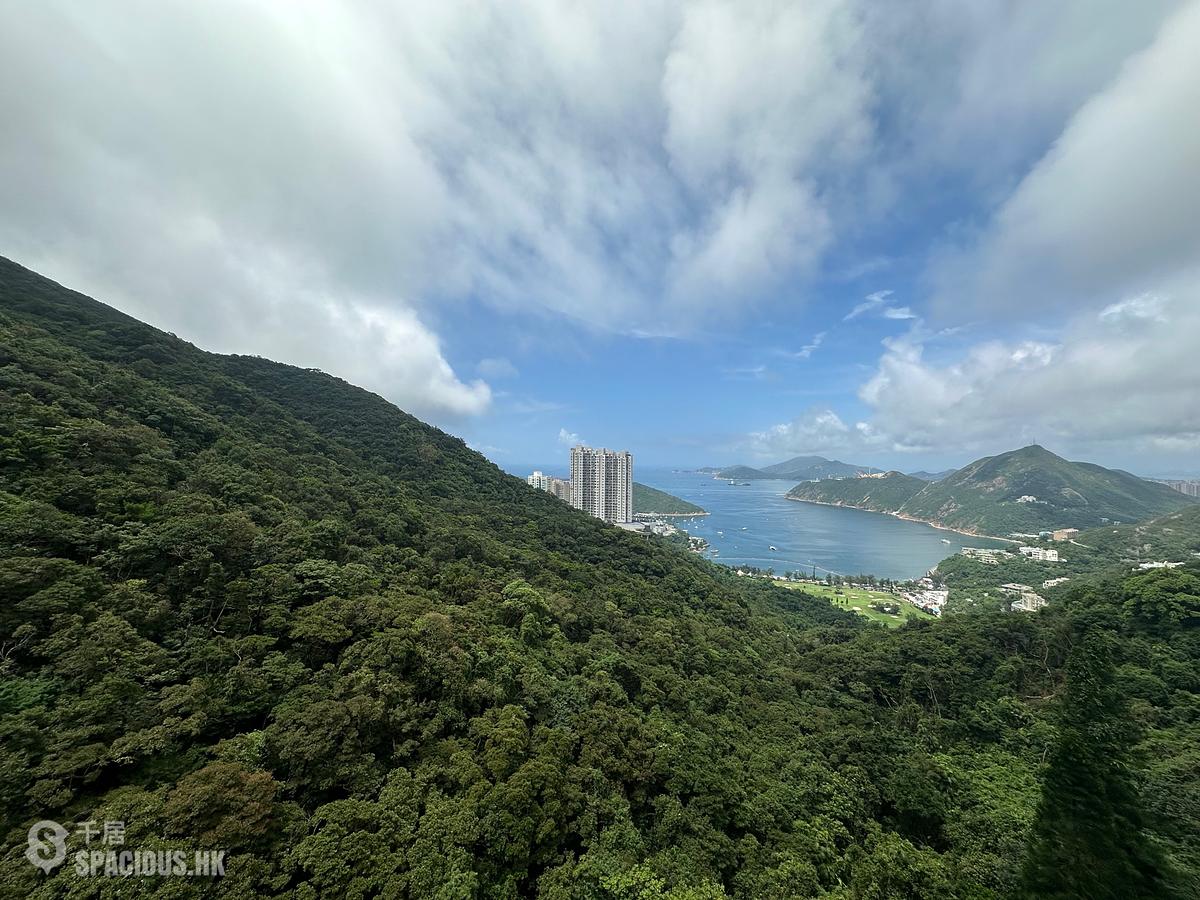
{"x":1025,"y":490}
{"x":798,"y":468}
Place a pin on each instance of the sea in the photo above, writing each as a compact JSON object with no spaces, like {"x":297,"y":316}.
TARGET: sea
{"x":755,"y":525}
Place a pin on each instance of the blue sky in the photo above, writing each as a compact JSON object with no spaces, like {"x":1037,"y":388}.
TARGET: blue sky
{"x":651,"y":226}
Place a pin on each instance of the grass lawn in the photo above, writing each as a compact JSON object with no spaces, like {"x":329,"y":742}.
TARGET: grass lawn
{"x":860,"y":601}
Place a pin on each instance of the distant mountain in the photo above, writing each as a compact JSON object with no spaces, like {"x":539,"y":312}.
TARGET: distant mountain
{"x":799,"y":468}
{"x":933,"y":476}
{"x":812,"y":468}
{"x":742,"y":472}
{"x":1026,"y":490}
{"x":651,"y":501}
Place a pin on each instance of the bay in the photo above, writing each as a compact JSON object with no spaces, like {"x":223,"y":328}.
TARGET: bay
{"x":746,"y":521}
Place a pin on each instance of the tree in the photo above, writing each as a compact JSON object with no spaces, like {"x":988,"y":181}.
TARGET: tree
{"x":1088,"y":839}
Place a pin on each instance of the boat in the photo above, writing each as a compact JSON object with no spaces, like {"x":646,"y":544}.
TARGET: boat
{"x":945,"y":540}
{"x":773,"y":547}
{"x":743,"y":528}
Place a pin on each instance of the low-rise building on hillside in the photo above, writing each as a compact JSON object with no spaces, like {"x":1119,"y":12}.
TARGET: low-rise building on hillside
{"x":1041,"y":554}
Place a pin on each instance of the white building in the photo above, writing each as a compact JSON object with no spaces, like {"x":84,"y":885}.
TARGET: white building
{"x":602,"y":483}
{"x":1040,"y":554}
{"x":985,"y":554}
{"x":559,"y":487}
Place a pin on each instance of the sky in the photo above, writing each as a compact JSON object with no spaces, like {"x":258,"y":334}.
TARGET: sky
{"x":903,"y":235}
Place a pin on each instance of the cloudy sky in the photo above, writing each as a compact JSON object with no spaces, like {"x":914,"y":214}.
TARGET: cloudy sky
{"x":902,"y":234}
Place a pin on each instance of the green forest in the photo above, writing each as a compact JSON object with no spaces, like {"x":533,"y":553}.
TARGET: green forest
{"x":252,"y":607}
{"x":1027,"y":490}
{"x":652,"y":501}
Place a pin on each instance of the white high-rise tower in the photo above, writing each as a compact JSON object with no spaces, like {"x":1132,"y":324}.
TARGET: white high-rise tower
{"x":602,"y":483}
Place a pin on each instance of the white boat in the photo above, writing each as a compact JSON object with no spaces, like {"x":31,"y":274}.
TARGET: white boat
{"x":945,"y":540}
{"x":773,"y":547}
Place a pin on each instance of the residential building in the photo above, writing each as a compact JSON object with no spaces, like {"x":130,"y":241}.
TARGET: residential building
{"x":1054,"y":582}
{"x":985,"y":554}
{"x":559,"y":487}
{"x":928,"y":599}
{"x":1027,"y":601}
{"x":1191,"y":488}
{"x":602,"y":483}
{"x":1065,"y":534}
{"x":1039,"y":553}
{"x":1159,"y":565}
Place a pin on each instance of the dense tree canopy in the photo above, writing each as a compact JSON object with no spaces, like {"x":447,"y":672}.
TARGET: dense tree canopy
{"x":252,"y":607}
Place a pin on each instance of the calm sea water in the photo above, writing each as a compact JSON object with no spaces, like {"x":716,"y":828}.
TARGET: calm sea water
{"x":745,"y":521}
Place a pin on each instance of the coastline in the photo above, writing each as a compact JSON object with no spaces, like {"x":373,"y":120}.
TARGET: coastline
{"x":658,"y":515}
{"x":905,"y":517}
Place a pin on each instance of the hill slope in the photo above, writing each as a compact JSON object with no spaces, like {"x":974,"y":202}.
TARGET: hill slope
{"x":883,"y":493}
{"x":1026,"y":490}
{"x":1108,"y":552}
{"x":651,"y":501}
{"x":985,"y":495}
{"x":932,"y":476}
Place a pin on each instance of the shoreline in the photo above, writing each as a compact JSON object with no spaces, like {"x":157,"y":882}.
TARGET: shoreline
{"x":903,"y":517}
{"x":691,"y":515}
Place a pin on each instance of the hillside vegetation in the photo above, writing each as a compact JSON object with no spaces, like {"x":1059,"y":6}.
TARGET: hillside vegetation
{"x":1097,"y":554}
{"x":1027,"y":490}
{"x":651,"y":501}
{"x":885,"y":493}
{"x":252,"y":607}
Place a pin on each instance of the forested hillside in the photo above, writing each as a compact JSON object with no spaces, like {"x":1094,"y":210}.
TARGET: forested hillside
{"x":1032,"y":489}
{"x":884,"y":493}
{"x":652,"y":501}
{"x":1026,"y":490}
{"x":252,"y":607}
{"x":1108,"y":552}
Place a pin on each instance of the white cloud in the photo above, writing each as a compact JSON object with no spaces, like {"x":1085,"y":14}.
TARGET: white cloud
{"x":569,"y":438}
{"x":496,"y":367}
{"x":808,"y":349}
{"x":870,"y":302}
{"x":819,"y":430}
{"x":313,"y":182}
{"x":1111,"y":208}
{"x":1143,"y":306}
{"x":1126,"y":378}
{"x":624,"y":167}
{"x":875,"y":303}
